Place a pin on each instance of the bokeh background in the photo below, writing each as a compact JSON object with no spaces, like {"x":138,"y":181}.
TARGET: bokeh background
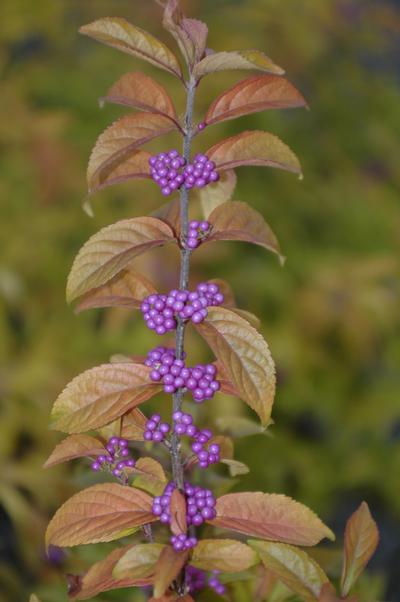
{"x":331,"y":314}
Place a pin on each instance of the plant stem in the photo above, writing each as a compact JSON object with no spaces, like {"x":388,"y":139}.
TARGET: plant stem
{"x":176,"y":461}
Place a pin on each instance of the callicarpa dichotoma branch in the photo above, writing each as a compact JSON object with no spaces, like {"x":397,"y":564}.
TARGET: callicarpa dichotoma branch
{"x":166,"y":519}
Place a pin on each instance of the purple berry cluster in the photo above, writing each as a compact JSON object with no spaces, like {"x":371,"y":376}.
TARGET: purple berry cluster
{"x":196,"y":580}
{"x":200,"y":173}
{"x":161,"y":311}
{"x":174,"y":374}
{"x":197,"y":232}
{"x":170,"y":172}
{"x":183,"y":425}
{"x":161,"y":504}
{"x":165,"y":169}
{"x":183,"y":542}
{"x":118,"y":459}
{"x":200,"y":504}
{"x":155,"y":430}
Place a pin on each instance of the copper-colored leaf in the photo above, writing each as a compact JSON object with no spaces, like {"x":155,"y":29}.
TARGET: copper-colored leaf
{"x":110,"y":251}
{"x":178,"y":513}
{"x":100,"y":513}
{"x":151,"y":476}
{"x":244,"y":356}
{"x":113,"y":157}
{"x":133,"y":425}
{"x":236,"y":59}
{"x":124,"y":36}
{"x":170,"y":214}
{"x":226,"y":555}
{"x":238,"y":221}
{"x":75,"y":446}
{"x":254,"y":147}
{"x":252,"y":95}
{"x":100,"y":395}
{"x":126,"y":289}
{"x":213,"y":195}
{"x":138,"y":561}
{"x":270,"y":516}
{"x":100,"y":578}
{"x":293,"y":567}
{"x":361,"y":538}
{"x":168,"y":567}
{"x":190,"y":34}
{"x":140,"y":91}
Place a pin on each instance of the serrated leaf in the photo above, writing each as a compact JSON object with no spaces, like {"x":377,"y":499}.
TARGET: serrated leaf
{"x":139,"y":91}
{"x":168,"y":567}
{"x":150,"y":476}
{"x":133,"y":425}
{"x":114,"y":157}
{"x":214,"y":194}
{"x":235,"y":468}
{"x":99,"y":578}
{"x":252,"y":95}
{"x":138,"y":561}
{"x":255,"y":148}
{"x":100,"y":395}
{"x":124,"y":36}
{"x":75,"y":446}
{"x":98,"y":514}
{"x":109,"y":251}
{"x":236,"y":59}
{"x":238,"y":221}
{"x":272,"y":516}
{"x":225,"y":555}
{"x":293,"y":567}
{"x":190,"y":34}
{"x":178,"y":513}
{"x":244,"y":356}
{"x":126,"y":289}
{"x":361,"y":538}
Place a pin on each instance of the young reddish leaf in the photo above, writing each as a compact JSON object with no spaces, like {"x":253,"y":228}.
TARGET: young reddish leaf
{"x":151,"y":476}
{"x":75,"y":446}
{"x":238,"y":221}
{"x":139,"y":91}
{"x":235,"y":468}
{"x":133,"y":425}
{"x":271,"y":516}
{"x":138,"y":561}
{"x":213,"y":195}
{"x":133,"y":167}
{"x":100,"y":578}
{"x":170,"y":213}
{"x":252,"y":95}
{"x":178,"y":513}
{"x":361,"y":538}
{"x":168,"y":567}
{"x":100,"y":395}
{"x":226,"y":555}
{"x":254,"y":148}
{"x":100,"y":513}
{"x":244,"y":356}
{"x":190,"y":34}
{"x":124,"y":36}
{"x":126,"y":289}
{"x":236,"y":59}
{"x":293,"y":567}
{"x":110,"y":251}
{"x":113,"y":159}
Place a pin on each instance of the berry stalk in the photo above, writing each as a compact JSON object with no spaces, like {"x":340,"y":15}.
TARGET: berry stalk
{"x":176,"y":460}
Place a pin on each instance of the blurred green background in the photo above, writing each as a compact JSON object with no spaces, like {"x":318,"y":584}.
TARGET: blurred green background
{"x":331,"y":315}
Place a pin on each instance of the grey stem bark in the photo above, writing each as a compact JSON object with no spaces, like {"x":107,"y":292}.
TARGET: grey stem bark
{"x":176,"y":460}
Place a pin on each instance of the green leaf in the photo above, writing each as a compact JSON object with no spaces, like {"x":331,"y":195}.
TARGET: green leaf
{"x":361,"y":538}
{"x":244,"y":356}
{"x":237,"y":59}
{"x":109,"y":251}
{"x":226,"y":555}
{"x":138,"y":561}
{"x":124,"y":36}
{"x":293,"y":567}
{"x":100,"y":395}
